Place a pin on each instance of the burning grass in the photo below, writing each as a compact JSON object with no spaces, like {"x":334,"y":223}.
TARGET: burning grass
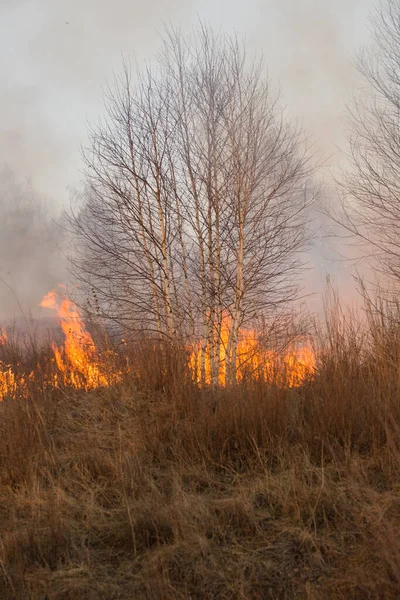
{"x":78,"y":364}
{"x":290,"y":366}
{"x":155,"y":488}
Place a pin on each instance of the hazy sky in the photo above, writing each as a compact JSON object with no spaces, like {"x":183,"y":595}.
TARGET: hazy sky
{"x":56,"y":55}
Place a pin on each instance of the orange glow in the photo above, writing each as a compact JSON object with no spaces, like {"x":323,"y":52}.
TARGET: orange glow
{"x":7,"y":377}
{"x":3,"y":337}
{"x":290,"y":368}
{"x":8,"y":384}
{"x":78,"y":362}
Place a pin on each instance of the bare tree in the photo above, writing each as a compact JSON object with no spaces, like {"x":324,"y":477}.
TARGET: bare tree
{"x":195,"y":207}
{"x":371,"y":207}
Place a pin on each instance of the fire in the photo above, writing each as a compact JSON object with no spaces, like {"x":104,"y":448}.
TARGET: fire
{"x":290,"y":368}
{"x":78,"y":362}
{"x":3,"y":337}
{"x":299,"y":364}
{"x":8,"y":383}
{"x":7,"y":378}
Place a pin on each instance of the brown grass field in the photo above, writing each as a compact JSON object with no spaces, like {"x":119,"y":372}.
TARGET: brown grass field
{"x":155,"y":489}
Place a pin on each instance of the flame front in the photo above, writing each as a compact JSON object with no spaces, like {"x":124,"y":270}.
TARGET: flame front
{"x":9,"y":382}
{"x":3,"y":337}
{"x":290,"y":368}
{"x":78,"y":364}
{"x":78,"y":361}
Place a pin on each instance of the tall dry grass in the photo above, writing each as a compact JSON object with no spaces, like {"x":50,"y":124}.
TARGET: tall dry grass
{"x":156,"y":489}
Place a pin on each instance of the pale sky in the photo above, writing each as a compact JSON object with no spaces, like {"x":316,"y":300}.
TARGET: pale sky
{"x":56,"y":56}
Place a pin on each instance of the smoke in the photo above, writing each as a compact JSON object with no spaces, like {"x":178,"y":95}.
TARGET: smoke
{"x":31,"y":257}
{"x":309,"y":49}
{"x":55,"y":59}
{"x":312,"y":53}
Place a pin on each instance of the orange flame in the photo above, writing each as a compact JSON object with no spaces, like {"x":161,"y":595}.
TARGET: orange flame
{"x":7,"y":378}
{"x":79,"y":364}
{"x":8,"y":384}
{"x":290,"y":368}
{"x":78,"y":360}
{"x":3,"y":337}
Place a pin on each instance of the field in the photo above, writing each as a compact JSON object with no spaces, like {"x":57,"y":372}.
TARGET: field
{"x":155,"y":488}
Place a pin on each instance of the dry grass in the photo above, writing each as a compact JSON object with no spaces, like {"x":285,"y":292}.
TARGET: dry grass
{"x":154,"y":489}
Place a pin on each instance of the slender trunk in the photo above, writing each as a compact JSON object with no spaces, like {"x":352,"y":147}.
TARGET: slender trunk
{"x":219,"y":307}
{"x":164,"y":249}
{"x":200,"y":241}
{"x":196,"y":225}
{"x":211,"y":317}
{"x":189,"y":309}
{"x":149,"y":260}
{"x":218,"y":290}
{"x":231,"y":353}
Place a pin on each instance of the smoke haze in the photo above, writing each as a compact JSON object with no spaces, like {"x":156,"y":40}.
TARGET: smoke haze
{"x":55,"y":58}
{"x":31,"y":259}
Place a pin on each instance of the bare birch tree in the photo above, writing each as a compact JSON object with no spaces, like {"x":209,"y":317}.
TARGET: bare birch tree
{"x":371,"y":207}
{"x":195,"y":206}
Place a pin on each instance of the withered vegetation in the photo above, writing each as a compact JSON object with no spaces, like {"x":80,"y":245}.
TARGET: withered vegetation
{"x":155,"y":488}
